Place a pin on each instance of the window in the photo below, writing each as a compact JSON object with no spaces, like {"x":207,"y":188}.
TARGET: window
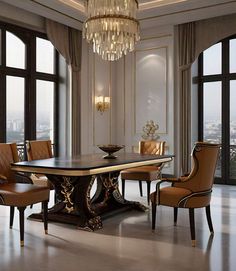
{"x":212,"y":60}
{"x":45,"y":112}
{"x":28,"y":85}
{"x":15,"y":51}
{"x":15,"y":109}
{"x":45,"y":56}
{"x":212,"y":111}
{"x":217,"y":95}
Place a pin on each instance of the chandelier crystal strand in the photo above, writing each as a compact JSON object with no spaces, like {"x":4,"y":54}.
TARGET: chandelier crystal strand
{"x":111,"y":27}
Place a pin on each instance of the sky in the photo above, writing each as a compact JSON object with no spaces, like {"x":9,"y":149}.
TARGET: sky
{"x":16,"y":85}
{"x":212,"y":90}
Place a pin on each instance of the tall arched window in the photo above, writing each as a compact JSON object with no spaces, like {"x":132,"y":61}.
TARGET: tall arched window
{"x":217,"y":110}
{"x":28,"y":85}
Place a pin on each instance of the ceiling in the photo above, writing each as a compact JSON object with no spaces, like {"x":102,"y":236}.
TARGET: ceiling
{"x":151,"y":12}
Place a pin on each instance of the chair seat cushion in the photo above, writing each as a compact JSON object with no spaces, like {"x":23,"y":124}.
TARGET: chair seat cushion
{"x":170,"y":196}
{"x":40,"y":179}
{"x":145,"y":173}
{"x":19,"y":195}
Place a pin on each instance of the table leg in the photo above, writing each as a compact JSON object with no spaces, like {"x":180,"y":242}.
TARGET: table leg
{"x":108,"y":197}
{"x":73,"y":202}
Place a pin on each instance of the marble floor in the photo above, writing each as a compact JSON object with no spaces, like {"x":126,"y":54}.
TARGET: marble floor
{"x":126,"y":242}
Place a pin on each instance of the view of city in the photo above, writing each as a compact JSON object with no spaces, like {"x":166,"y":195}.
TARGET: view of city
{"x":212,"y":133}
{"x":15,"y":128}
{"x":213,"y":102}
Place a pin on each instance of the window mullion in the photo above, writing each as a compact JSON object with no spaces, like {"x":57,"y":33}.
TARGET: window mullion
{"x":3,"y":90}
{"x":56,"y":104}
{"x":225,"y":110}
{"x":30,"y":94}
{"x":200,"y":98}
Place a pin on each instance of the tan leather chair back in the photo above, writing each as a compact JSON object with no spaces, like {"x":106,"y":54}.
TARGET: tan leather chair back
{"x":204,"y":158}
{"x":8,"y":155}
{"x":152,"y":147}
{"x":39,"y":149}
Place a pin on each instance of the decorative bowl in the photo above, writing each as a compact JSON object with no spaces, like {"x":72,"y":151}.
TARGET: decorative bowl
{"x":110,"y":149}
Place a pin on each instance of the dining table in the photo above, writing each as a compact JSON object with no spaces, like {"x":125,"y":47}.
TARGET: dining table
{"x":73,"y":179}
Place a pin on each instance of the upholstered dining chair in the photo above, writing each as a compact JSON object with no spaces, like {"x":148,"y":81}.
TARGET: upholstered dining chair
{"x":36,"y":150}
{"x":19,"y":195}
{"x":145,"y":173}
{"x":190,"y":191}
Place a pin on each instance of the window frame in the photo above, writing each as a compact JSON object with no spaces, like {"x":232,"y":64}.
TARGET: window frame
{"x":225,"y":77}
{"x":31,"y":75}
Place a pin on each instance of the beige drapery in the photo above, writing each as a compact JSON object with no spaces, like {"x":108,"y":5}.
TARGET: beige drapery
{"x":194,"y":38}
{"x":68,"y":42}
{"x":186,"y":40}
{"x":210,"y":31}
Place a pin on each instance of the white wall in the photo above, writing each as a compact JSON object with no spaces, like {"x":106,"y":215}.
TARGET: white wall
{"x":98,"y":79}
{"x":137,"y":105}
{"x":121,"y":80}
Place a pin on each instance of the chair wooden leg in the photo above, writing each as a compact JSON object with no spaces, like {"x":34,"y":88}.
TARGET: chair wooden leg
{"x":123,"y":187}
{"x":148,"y":192}
{"x":140,"y":188}
{"x":12,"y":211}
{"x":45,"y":216}
{"x":175,"y":215}
{"x":208,"y":215}
{"x":55,"y":198}
{"x":154,"y":209}
{"x":192,"y":226}
{"x":21,"y":214}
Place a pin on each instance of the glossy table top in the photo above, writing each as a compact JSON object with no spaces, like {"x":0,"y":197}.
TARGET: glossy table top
{"x":88,"y":164}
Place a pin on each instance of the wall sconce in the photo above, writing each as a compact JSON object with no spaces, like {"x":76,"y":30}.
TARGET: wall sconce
{"x":102,"y":103}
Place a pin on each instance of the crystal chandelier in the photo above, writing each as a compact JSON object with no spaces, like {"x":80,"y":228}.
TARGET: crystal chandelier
{"x":112,"y":27}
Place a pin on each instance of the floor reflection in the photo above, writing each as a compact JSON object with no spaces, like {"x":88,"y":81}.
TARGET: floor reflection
{"x":127,"y":242}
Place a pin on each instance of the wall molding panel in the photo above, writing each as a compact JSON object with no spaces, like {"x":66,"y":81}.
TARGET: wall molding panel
{"x":150,"y":97}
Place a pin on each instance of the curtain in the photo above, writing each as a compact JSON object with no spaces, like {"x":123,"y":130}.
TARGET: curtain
{"x":210,"y":31}
{"x":194,"y":38}
{"x":68,"y":42}
{"x":186,"y":47}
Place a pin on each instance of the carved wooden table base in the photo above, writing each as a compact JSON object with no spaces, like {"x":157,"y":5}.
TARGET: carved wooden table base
{"x":74,"y":205}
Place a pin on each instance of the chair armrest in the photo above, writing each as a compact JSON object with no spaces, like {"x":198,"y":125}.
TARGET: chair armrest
{"x":171,"y":180}
{"x":167,"y":180}
{"x":3,"y":179}
{"x":21,"y":177}
{"x":186,"y":175}
{"x":164,"y":180}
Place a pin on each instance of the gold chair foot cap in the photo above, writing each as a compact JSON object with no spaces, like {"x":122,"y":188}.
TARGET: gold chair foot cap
{"x":22,"y":243}
{"x":193,"y":243}
{"x":46,"y":231}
